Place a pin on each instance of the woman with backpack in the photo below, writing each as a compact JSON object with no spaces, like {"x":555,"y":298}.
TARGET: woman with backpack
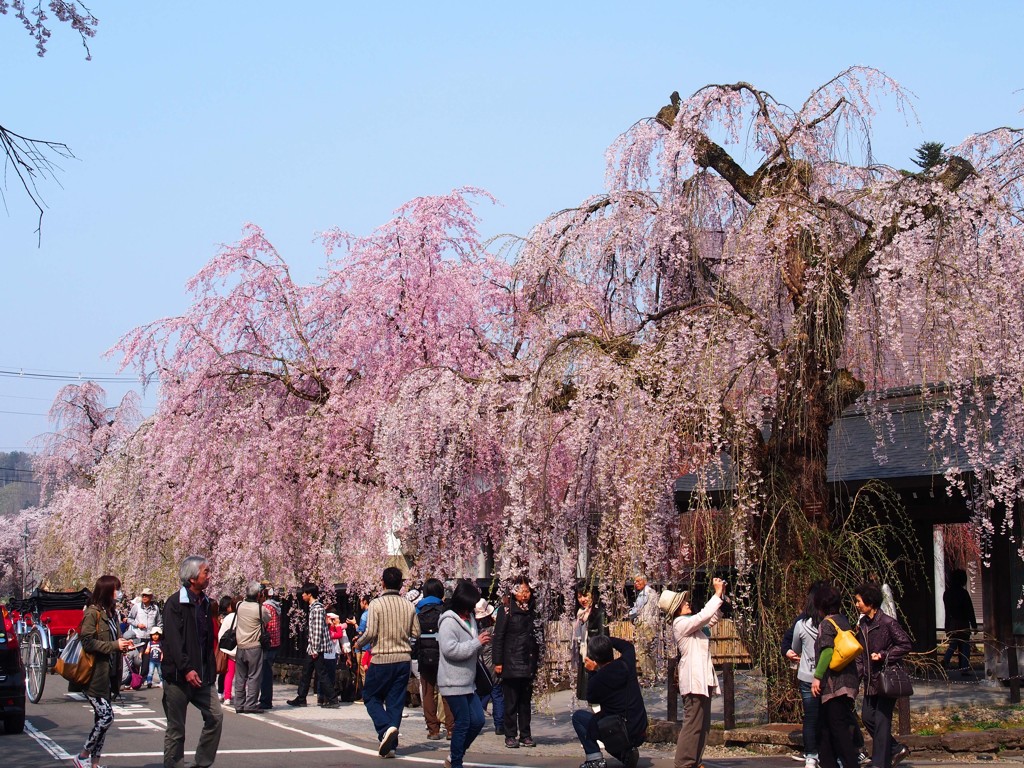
{"x":428,"y":657}
{"x":100,"y":637}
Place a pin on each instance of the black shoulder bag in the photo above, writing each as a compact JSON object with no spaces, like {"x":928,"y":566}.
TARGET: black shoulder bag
{"x":229,"y":640}
{"x":893,"y":681}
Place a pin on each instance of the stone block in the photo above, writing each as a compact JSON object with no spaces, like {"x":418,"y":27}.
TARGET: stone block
{"x":971,"y":741}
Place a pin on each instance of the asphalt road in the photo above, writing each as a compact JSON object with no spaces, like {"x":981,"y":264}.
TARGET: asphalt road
{"x":57,"y":727}
{"x":286,"y":737}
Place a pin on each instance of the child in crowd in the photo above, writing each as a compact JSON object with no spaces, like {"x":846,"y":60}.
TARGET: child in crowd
{"x":155,"y":657}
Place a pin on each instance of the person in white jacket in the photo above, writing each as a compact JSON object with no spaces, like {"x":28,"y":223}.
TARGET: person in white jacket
{"x":697,"y":679}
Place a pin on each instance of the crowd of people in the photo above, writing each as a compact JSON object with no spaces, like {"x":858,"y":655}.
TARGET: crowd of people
{"x":468,"y":654}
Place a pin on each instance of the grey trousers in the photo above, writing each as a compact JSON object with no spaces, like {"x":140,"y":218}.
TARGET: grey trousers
{"x":176,"y":699}
{"x":248,"y":677}
{"x":693,"y":731}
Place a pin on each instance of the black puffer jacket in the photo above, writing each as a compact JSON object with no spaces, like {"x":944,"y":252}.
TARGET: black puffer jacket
{"x":517,"y":639}
{"x":884,"y":635}
{"x":182,"y":649}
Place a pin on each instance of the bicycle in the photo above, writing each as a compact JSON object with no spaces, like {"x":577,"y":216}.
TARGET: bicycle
{"x":36,"y":645}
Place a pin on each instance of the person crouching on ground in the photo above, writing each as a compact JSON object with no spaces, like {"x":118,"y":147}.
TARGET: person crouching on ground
{"x":614,"y":691}
{"x":697,"y":679}
{"x":460,"y":642}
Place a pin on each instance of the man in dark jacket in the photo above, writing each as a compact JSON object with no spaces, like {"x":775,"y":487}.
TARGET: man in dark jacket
{"x":960,"y":620}
{"x":189,"y":668}
{"x":614,"y":693}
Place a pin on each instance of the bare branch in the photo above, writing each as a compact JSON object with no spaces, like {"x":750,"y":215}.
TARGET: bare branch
{"x":32,"y":160}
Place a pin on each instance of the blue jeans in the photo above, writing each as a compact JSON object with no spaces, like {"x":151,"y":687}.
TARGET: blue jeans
{"x":585,"y":725}
{"x":812,"y":705}
{"x":384,"y":694}
{"x":469,"y":721}
{"x":267,"y":681}
{"x":498,"y":710}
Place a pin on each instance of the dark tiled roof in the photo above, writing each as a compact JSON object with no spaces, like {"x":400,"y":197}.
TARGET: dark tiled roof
{"x":886,"y":441}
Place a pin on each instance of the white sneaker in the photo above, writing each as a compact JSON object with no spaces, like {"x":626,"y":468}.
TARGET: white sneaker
{"x":810,"y":762}
{"x":82,"y":762}
{"x":388,"y":741}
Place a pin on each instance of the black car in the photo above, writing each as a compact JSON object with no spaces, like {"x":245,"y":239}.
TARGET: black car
{"x":12,"y":676}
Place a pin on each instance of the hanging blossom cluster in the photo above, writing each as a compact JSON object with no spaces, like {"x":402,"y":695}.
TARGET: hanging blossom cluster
{"x":703,"y":316}
{"x":36,"y":20}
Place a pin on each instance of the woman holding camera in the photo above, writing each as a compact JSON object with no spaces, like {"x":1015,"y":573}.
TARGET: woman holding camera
{"x":697,"y":679}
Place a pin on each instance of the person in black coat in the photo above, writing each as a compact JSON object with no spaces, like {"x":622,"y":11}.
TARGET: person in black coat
{"x":516,"y":647}
{"x":588,"y":625}
{"x":614,"y":687}
{"x":960,"y":620}
{"x":884,"y":642}
{"x":189,"y":667}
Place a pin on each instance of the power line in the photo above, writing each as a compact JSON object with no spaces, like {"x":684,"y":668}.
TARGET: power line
{"x":68,"y":376}
{"x":63,"y":371}
{"x":24,"y":413}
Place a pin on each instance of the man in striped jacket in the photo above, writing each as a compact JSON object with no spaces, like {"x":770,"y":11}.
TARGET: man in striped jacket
{"x":318,"y":644}
{"x":390,"y":625}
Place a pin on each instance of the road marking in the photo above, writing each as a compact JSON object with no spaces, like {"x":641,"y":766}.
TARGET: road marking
{"x":335,"y":745}
{"x":344,"y":745}
{"x":55,"y":750}
{"x":289,"y":750}
{"x":269,"y":751}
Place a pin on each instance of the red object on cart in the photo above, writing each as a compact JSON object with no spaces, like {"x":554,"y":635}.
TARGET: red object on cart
{"x":60,"y":611}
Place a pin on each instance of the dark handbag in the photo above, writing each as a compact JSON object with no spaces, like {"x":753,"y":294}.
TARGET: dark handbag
{"x":893,"y":682}
{"x":229,"y":640}
{"x":612,"y":730}
{"x":264,"y":632}
{"x":484,"y":679}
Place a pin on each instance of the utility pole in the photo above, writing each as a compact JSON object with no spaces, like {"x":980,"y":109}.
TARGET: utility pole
{"x":24,"y":570}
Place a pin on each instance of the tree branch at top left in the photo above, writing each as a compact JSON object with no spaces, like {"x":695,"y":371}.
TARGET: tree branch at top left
{"x":33,"y":159}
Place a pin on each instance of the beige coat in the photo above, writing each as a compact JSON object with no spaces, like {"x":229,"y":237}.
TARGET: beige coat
{"x":696,"y":672}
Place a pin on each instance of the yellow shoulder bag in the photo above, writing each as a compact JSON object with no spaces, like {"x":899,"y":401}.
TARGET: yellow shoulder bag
{"x":845,"y":648}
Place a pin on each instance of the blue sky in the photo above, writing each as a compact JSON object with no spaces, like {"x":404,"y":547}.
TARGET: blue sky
{"x":189,"y":123}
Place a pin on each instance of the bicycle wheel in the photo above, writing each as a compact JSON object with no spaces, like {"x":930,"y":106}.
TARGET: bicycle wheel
{"x":35,"y":667}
